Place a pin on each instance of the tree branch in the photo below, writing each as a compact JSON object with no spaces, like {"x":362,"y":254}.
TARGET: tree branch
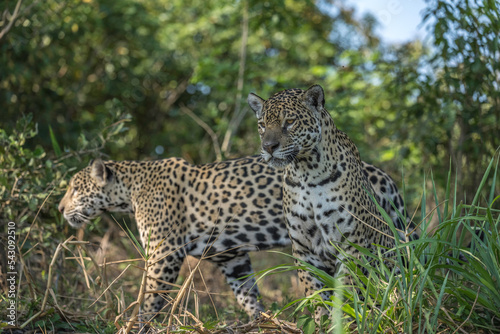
{"x":238,"y":111}
{"x":12,"y":19}
{"x":211,"y":133}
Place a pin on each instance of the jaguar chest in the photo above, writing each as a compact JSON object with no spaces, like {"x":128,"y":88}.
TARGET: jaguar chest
{"x":317,"y":215}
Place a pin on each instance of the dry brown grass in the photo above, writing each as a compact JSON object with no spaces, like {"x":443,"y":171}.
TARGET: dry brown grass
{"x":98,"y":280}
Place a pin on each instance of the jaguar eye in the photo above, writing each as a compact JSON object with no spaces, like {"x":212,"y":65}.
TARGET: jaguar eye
{"x":290,"y":121}
{"x":262,"y":125}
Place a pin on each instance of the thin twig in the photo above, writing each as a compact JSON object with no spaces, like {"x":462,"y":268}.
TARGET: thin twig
{"x":181,"y":293}
{"x":238,"y":111}
{"x":109,"y":286}
{"x":34,"y":219}
{"x":470,"y":313}
{"x":60,"y":247}
{"x":81,"y":261}
{"x":60,"y":310}
{"x":13,"y":18}
{"x":176,"y":93}
{"x":210,"y":132}
{"x":140,"y":298}
{"x":451,"y":319}
{"x":29,"y":278}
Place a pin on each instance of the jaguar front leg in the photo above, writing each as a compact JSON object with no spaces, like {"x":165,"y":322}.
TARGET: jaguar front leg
{"x":162,"y":273}
{"x":311,"y":284}
{"x":244,"y":288}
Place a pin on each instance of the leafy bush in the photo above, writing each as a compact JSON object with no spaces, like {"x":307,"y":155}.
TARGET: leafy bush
{"x":31,"y":182}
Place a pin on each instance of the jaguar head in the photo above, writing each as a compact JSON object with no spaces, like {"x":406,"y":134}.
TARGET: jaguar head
{"x":289,"y":124}
{"x":88,"y":194}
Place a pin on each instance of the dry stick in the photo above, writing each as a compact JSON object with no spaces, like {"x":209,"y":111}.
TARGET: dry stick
{"x":21,"y":256}
{"x":184,"y":307}
{"x":196,"y":299}
{"x":206,"y":127}
{"x":133,"y":304}
{"x":29,"y":250}
{"x":119,"y":262}
{"x":199,"y":325}
{"x":143,"y":282}
{"x":470,"y":313}
{"x":121,"y":300}
{"x":238,"y":111}
{"x":108,"y":287}
{"x":451,"y":319}
{"x":197,"y":302}
{"x":107,"y":293}
{"x":29,"y":279}
{"x":182,"y":291}
{"x":80,"y":261}
{"x":176,"y":93}
{"x":140,"y":298}
{"x":59,"y":308}
{"x":209,"y":295}
{"x":195,"y":295}
{"x":266,"y":321}
{"x":13,"y":18}
{"x":142,"y":291}
{"x":181,"y":294}
{"x":49,"y":277}
{"x":109,"y":300}
{"x":34,"y":219}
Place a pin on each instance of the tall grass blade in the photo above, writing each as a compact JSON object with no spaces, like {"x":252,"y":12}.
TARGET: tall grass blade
{"x":436,"y":202}
{"x":483,"y":182}
{"x":448,"y":185}
{"x":438,"y":303}
{"x":55,"y":144}
{"x":494,"y":182}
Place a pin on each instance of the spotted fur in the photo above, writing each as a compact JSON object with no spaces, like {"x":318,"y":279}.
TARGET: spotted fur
{"x":221,"y":210}
{"x":325,"y":190}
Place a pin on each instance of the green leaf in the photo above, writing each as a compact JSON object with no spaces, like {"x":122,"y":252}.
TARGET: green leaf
{"x":55,"y":145}
{"x":307,"y":324}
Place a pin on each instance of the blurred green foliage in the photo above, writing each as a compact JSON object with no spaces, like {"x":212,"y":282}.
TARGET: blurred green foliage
{"x":450,"y":110}
{"x":72,"y":64}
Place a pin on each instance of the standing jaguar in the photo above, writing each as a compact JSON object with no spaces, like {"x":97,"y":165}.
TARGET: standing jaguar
{"x":220,"y":211}
{"x":325,"y":199}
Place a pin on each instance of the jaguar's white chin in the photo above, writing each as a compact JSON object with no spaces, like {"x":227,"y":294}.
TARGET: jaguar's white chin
{"x":275,"y":162}
{"x":278,"y":163}
{"x":281,"y":161}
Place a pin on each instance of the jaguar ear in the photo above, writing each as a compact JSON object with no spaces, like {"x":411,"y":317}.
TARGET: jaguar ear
{"x":256,"y":103}
{"x":100,"y":173}
{"x":314,"y":97}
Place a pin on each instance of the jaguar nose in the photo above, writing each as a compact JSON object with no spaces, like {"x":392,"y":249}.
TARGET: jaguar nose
{"x":270,"y":146}
{"x":61,"y":208}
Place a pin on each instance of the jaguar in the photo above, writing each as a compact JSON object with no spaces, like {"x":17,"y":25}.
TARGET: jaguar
{"x":219,"y":211}
{"x":326,"y":190}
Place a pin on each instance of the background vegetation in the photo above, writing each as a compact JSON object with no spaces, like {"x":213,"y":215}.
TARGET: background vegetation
{"x":140,"y":79}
